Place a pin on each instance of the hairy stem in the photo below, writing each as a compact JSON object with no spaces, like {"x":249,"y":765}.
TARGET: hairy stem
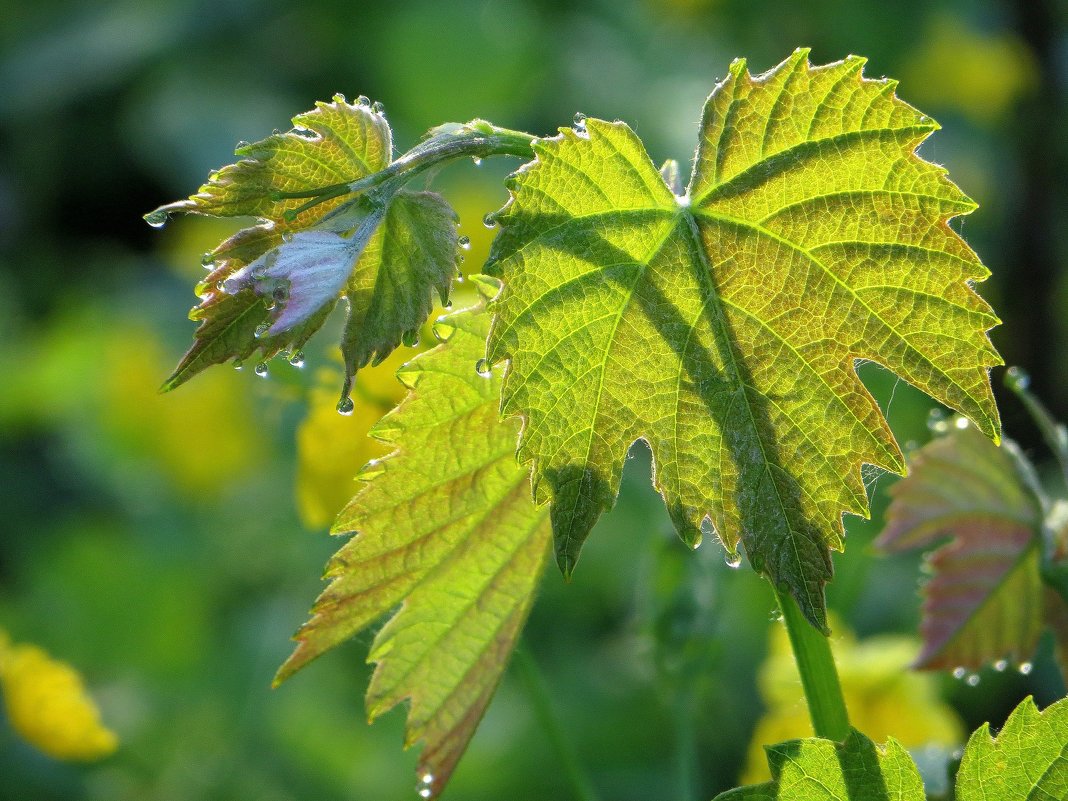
{"x":819,"y":676}
{"x":477,"y":139}
{"x":543,"y":710}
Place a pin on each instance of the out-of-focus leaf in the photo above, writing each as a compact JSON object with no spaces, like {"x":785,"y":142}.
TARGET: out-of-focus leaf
{"x":884,"y":698}
{"x":447,"y":530}
{"x":984,"y":601}
{"x":722,"y":326}
{"x":822,"y":770}
{"x":274,"y":284}
{"x":1028,"y":760}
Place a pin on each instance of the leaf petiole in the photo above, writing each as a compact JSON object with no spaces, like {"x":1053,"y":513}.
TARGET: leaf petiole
{"x":819,"y":676}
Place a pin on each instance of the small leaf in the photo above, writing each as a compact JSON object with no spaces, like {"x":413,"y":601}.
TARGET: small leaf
{"x":985,"y":598}
{"x":722,"y":326}
{"x":822,"y":770}
{"x":275,"y":284}
{"x":1027,"y":760}
{"x":446,"y":528}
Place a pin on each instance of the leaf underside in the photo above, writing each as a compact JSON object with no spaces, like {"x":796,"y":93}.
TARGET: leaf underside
{"x":822,"y":770}
{"x":447,"y":530}
{"x":722,"y":326}
{"x":273,"y":285}
{"x":985,"y":598}
{"x":1027,"y":760}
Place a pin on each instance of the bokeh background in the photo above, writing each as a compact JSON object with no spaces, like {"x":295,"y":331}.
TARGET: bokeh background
{"x":168,"y":546}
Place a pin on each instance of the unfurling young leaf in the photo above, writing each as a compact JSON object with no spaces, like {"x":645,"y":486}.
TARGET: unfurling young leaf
{"x":1027,"y":760}
{"x":984,"y":601}
{"x":722,"y":325}
{"x":445,"y":528}
{"x":274,"y":284}
{"x":823,"y":770}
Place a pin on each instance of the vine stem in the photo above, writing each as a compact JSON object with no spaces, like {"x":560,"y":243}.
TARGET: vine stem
{"x":543,"y":710}
{"x":477,"y":139}
{"x":819,"y":675}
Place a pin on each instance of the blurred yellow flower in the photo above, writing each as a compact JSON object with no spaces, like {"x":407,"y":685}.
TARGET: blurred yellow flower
{"x":48,"y":705}
{"x":979,"y":75}
{"x":885,"y":698}
{"x":332,"y":447}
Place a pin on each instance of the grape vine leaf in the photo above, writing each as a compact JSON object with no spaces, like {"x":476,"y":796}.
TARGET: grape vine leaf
{"x":823,"y":770}
{"x":722,"y":325}
{"x":274,"y":284}
{"x":985,"y":599}
{"x":1027,"y":760}
{"x":447,"y":529}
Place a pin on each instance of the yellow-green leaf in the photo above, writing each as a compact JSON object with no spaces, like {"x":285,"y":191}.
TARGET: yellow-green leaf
{"x":722,"y":326}
{"x":446,"y":530}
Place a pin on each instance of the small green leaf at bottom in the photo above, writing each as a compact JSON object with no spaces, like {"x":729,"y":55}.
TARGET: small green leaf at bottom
{"x":1027,"y":761}
{"x":822,"y":770}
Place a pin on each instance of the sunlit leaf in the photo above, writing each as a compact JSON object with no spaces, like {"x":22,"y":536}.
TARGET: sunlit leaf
{"x":722,"y":326}
{"x":822,"y":770}
{"x":447,"y":530}
{"x":1028,"y":759}
{"x":985,"y":598}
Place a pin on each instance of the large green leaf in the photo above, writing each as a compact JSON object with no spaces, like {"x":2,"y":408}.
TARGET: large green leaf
{"x":274,"y":284}
{"x":822,"y":770}
{"x":447,"y":530}
{"x":1027,"y":761}
{"x":722,"y":326}
{"x":985,"y":599}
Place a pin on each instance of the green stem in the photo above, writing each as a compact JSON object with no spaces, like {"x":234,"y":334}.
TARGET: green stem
{"x":543,"y":710}
{"x":1055,"y":433}
{"x":477,"y":139}
{"x":819,"y":676}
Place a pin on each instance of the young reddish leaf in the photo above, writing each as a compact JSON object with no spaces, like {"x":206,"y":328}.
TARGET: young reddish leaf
{"x":722,"y":326}
{"x":985,"y":599}
{"x":447,"y":530}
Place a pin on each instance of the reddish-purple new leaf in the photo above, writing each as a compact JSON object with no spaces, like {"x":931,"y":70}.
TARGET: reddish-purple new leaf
{"x":985,"y":598}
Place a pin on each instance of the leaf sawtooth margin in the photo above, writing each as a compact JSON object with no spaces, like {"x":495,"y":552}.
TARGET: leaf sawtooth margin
{"x":723,"y":326}
{"x":446,"y":529}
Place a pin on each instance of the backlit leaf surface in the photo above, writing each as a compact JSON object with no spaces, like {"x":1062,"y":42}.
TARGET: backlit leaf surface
{"x":722,"y":326}
{"x":1026,"y":761}
{"x":447,"y":530}
{"x":822,"y":770}
{"x":985,"y":598}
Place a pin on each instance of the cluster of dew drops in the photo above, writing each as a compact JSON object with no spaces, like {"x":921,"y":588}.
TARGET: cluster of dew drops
{"x":973,"y":679}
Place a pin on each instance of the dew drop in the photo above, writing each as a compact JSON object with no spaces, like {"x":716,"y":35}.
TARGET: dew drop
{"x":1025,"y":668}
{"x":936,"y":421}
{"x":960,"y":423}
{"x":959,"y":673}
{"x":580,"y":122}
{"x":482,"y":367}
{"x":340,"y":98}
{"x":378,"y":107}
{"x":775,"y":615}
{"x":262,"y":329}
{"x":1000,"y":665}
{"x":490,"y":220}
{"x":476,"y":161}
{"x":733,"y":559}
{"x":370,"y":470}
{"x":297,"y":359}
{"x":345,"y":406}
{"x":410,"y":338}
{"x":424,"y":792}
{"x":363,"y":100}
{"x":238,"y":365}
{"x":242,"y":144}
{"x":428,"y":778}
{"x":972,"y":680}
{"x":261,"y":370}
{"x":464,"y":242}
{"x":157,"y":218}
{"x":207,"y":260}
{"x":1015,"y":377}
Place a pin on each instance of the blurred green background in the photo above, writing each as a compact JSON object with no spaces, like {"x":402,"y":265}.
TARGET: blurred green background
{"x":168,"y":546}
